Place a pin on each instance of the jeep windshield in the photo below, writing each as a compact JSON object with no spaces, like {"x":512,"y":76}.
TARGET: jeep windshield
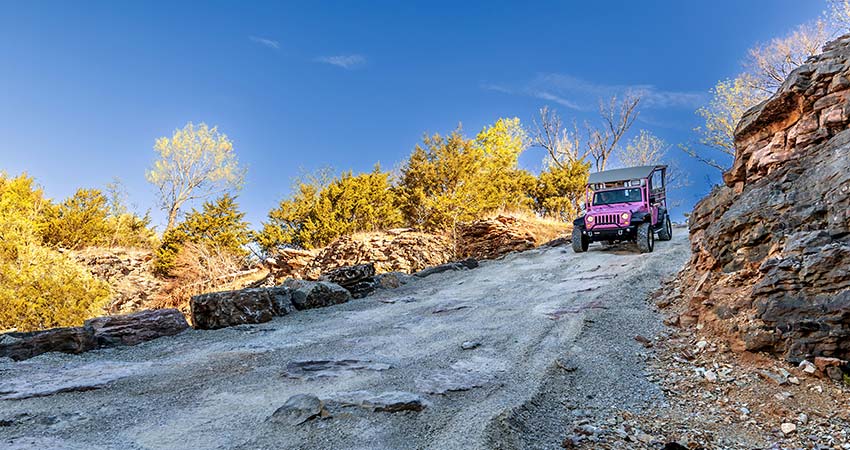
{"x":611,"y":197}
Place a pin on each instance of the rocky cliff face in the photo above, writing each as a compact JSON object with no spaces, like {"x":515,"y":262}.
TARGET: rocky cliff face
{"x":771,"y":249}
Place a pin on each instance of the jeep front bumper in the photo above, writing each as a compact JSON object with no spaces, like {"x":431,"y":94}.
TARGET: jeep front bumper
{"x":609,"y":234}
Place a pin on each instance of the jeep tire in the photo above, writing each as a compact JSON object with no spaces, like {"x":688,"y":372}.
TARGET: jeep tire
{"x":666,"y":231}
{"x":645,"y":238}
{"x":580,"y":241}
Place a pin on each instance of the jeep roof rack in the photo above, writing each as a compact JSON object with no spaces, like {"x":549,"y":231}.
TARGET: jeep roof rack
{"x":628,"y":173}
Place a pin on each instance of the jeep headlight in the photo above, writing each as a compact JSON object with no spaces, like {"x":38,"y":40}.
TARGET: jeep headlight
{"x":589,"y":219}
{"x":624,"y":217}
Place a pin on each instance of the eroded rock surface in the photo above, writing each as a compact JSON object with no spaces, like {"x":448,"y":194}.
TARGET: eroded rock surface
{"x":313,"y":369}
{"x":393,"y":401}
{"x":78,"y":379}
{"x":214,"y":390}
{"x":771,"y":263}
{"x":128,"y":272}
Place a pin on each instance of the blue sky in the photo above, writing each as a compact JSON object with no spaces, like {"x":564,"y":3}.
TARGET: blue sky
{"x":86,"y":87}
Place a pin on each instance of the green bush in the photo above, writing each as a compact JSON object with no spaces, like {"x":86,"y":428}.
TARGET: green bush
{"x":218,"y":225}
{"x":321,"y":211}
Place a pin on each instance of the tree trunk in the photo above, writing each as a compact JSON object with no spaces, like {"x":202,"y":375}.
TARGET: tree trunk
{"x":172,"y":217}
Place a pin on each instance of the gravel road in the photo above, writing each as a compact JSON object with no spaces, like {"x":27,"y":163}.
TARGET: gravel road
{"x":555,"y":334}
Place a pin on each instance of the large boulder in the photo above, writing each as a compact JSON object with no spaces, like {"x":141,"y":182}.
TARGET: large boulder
{"x":131,"y":329}
{"x":245,"y":306}
{"x":466,"y":264}
{"x":19,"y":346}
{"x":107,"y":331}
{"x":359,"y":279}
{"x":771,"y":250}
{"x":316,"y":294}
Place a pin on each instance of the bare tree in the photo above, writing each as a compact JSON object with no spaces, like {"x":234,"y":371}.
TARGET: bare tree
{"x":562,"y":146}
{"x":839,"y":14}
{"x":617,"y":117}
{"x":644,"y":149}
{"x":770,"y":64}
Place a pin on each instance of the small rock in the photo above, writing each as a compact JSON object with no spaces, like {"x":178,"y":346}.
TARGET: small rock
{"x":776,"y":378}
{"x":822,"y":362}
{"x":782,"y":396}
{"x":299,"y":409}
{"x":449,"y":308}
{"x":710,"y":376}
{"x":788,"y":428}
{"x":469,"y":345}
{"x":358,"y":279}
{"x":644,"y":341}
{"x":587,"y":430}
{"x":701,"y":345}
{"x":793,"y":380}
{"x":835,"y":373}
{"x":643,"y":437}
{"x":803,"y":418}
{"x":807,"y":367}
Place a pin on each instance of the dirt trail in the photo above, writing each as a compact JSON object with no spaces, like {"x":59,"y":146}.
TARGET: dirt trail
{"x":556,"y":339}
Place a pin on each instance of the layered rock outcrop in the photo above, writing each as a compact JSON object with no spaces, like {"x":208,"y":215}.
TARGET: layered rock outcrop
{"x":491,"y":238}
{"x":771,"y":249}
{"x":399,"y":250}
{"x":128,"y":272}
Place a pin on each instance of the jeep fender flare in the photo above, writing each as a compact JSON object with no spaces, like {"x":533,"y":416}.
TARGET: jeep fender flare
{"x":579,"y":223}
{"x":641,"y":217}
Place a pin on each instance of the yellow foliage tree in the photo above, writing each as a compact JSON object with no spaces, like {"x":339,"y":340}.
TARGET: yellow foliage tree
{"x":196,"y":162}
{"x":560,"y":189}
{"x":502,"y":143}
{"x":39,"y":287}
{"x":444,"y":183}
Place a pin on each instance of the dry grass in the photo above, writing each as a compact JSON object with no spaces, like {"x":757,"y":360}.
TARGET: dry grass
{"x":201,"y":269}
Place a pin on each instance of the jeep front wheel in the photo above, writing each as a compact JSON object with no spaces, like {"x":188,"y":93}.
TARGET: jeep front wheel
{"x":580,"y":241}
{"x":666,"y":232}
{"x":645,"y":237}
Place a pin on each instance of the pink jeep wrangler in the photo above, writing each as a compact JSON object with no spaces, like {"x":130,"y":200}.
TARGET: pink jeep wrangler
{"x":625,"y":205}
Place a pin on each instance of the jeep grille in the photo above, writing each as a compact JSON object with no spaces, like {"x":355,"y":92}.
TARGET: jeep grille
{"x":606,"y":219}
